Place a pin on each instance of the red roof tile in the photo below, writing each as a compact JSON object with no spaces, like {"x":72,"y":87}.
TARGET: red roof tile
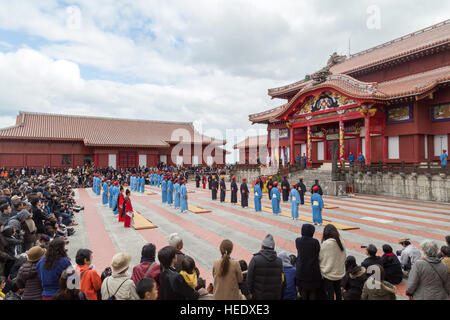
{"x":97,"y":131}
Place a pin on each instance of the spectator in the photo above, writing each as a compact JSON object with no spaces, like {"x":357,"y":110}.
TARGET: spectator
{"x":332,"y":261}
{"x":146,"y":289}
{"x":264,"y":278}
{"x":119,"y":286}
{"x":90,"y":282}
{"x":378,"y":289}
{"x":243,"y":285}
{"x":24,"y":221}
{"x":176,"y":242}
{"x":354,"y":279}
{"x":227,"y":274}
{"x":68,"y":293}
{"x":428,"y":279}
{"x":309,"y":278}
{"x":15,"y":292}
{"x":173,"y":286}
{"x":147,"y":268}
{"x":447,"y":240}
{"x":13,"y":247}
{"x":445,"y":252}
{"x":28,"y":277}
{"x":290,"y":289}
{"x":372,"y":257}
{"x":408,"y":256}
{"x":5,"y":213}
{"x":188,"y":272}
{"x":392,"y":267}
{"x":51,"y":266}
{"x":2,"y":286}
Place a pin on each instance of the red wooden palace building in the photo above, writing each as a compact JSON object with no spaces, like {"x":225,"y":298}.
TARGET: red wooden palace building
{"x":390,"y":102}
{"x":61,"y":141}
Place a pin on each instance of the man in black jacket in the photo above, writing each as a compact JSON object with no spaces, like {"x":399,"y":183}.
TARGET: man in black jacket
{"x":372,"y":257}
{"x":173,"y":286}
{"x":264,"y":276}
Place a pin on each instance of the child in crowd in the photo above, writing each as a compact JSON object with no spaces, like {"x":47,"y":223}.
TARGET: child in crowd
{"x":146,"y":289}
{"x":188,"y":272}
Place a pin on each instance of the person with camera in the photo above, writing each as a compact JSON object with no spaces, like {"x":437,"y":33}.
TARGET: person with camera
{"x":408,"y":256}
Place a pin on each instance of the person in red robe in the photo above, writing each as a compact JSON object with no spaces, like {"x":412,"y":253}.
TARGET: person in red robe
{"x":128,"y":209}
{"x":120,"y":201}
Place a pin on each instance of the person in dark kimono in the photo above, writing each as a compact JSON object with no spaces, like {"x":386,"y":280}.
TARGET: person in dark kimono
{"x":261,"y":183}
{"x":214,"y":186}
{"x":285,"y":188}
{"x":204,"y":181}
{"x":223,"y":189}
{"x":210,"y":182}
{"x":316,"y":183}
{"x":234,"y":190}
{"x":197,"y":180}
{"x":301,"y":188}
{"x":269,"y":187}
{"x":244,"y":193}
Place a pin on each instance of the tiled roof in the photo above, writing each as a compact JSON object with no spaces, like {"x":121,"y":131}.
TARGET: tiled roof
{"x":415,"y":84}
{"x":435,"y":35}
{"x":98,"y":131}
{"x":254,"y":141}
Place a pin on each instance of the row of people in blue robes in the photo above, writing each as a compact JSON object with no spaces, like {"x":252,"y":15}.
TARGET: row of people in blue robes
{"x":174,"y":193}
{"x":137,"y":183}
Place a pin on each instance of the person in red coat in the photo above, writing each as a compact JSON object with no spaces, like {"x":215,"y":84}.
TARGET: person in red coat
{"x":120,"y":204}
{"x":128,"y":209}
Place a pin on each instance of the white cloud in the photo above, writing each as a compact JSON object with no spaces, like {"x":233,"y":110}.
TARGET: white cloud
{"x":206,"y":60}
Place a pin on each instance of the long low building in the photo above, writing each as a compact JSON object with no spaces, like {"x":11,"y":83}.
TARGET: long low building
{"x":40,"y":140}
{"x":390,"y":102}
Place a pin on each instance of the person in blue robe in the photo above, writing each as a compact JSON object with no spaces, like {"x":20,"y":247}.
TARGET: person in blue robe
{"x":317,"y":206}
{"x":351,"y":158}
{"x":294,"y":197}
{"x":105,"y":193}
{"x":257,"y":197}
{"x":170,"y":192}
{"x":276,"y":197}
{"x":177,"y":194}
{"x":164,"y":190}
{"x":444,"y":159}
{"x":142,"y":184}
{"x":110,"y":194}
{"x":116,"y":192}
{"x":183,"y":197}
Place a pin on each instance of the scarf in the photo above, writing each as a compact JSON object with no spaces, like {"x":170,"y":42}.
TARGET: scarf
{"x":190,"y":278}
{"x":143,"y":259}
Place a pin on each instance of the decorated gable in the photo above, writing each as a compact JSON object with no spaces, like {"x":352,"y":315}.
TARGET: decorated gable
{"x":326,"y":100}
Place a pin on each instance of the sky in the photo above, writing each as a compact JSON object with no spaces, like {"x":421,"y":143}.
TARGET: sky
{"x":209,"y":62}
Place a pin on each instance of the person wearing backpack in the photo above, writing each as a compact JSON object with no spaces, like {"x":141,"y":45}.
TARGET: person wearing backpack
{"x":90,"y":282}
{"x":119,"y":285}
{"x":148,"y":268}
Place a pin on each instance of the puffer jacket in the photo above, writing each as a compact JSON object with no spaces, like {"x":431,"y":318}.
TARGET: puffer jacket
{"x":375,"y":290}
{"x":29,"y":280}
{"x":428,"y":280}
{"x":264,"y":275}
{"x":353,"y":283}
{"x":119,"y":285}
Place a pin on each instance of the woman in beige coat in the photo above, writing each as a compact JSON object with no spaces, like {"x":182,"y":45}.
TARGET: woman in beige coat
{"x":227,"y":274}
{"x":332,"y":257}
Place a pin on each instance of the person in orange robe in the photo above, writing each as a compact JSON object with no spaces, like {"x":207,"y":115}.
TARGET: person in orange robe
{"x":120,"y":204}
{"x":128,"y":209}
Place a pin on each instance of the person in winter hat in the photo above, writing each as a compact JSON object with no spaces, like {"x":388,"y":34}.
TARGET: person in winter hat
{"x":290,"y":288}
{"x":264,"y":276}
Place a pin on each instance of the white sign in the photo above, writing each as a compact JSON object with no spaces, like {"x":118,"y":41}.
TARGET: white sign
{"x":163,"y":158}
{"x":393,"y":148}
{"x":142,"y":160}
{"x":112,"y":160}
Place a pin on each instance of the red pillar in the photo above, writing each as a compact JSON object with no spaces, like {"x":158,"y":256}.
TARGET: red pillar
{"x":367,"y":136}
{"x":96,"y":160}
{"x":308,"y":147}
{"x":385,"y":149}
{"x":292,"y":146}
{"x":417,"y":158}
{"x":358,"y":145}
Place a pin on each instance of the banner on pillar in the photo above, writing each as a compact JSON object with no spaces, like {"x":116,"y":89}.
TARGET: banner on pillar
{"x":341,"y":142}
